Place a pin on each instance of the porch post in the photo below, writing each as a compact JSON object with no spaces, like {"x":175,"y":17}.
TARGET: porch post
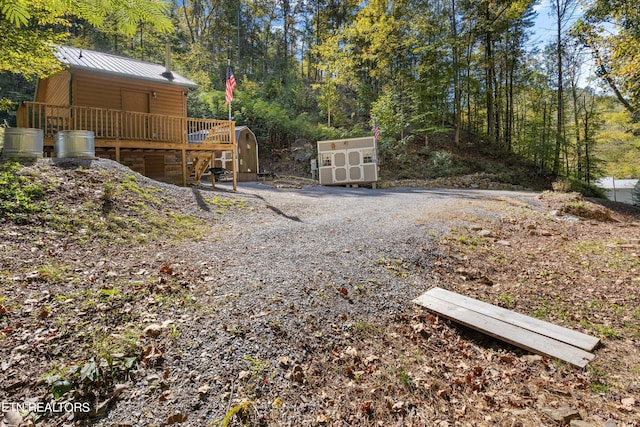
{"x":234,"y":154}
{"x":21,"y":116}
{"x":211,"y":165}
{"x":184,"y":167}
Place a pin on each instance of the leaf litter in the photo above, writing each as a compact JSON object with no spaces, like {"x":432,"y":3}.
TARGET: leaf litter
{"x":251,"y":319}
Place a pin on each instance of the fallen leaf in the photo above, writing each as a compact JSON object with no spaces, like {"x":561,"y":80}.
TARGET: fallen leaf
{"x":285,"y":362}
{"x":177,"y":418}
{"x":628,"y":403}
{"x":152,"y":355}
{"x":366,"y":408}
{"x":322,"y":419}
{"x":153,"y":330}
{"x":370,"y":359}
{"x":398,"y":407}
{"x":11,"y":419}
{"x":351,"y":351}
{"x":166,"y":395}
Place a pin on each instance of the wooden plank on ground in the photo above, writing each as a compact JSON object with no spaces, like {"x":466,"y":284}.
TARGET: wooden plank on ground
{"x":507,"y":332}
{"x":569,"y":336}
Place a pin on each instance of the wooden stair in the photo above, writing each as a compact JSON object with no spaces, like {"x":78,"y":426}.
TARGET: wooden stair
{"x":198,"y":167}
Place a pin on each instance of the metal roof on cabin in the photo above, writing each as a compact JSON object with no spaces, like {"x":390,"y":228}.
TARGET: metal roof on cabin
{"x":118,"y":65}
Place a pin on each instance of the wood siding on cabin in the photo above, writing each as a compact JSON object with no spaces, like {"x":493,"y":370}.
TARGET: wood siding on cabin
{"x":105,"y":91}
{"x":120,"y":93}
{"x":54,"y":90}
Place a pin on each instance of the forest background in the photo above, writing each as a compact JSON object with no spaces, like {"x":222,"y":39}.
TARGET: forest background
{"x":431,"y":75}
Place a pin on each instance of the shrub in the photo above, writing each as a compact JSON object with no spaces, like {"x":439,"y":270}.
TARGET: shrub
{"x":587,"y":190}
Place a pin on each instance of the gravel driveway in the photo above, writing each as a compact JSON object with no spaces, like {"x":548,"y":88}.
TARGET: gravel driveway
{"x":285,"y":306}
{"x":284,"y":282}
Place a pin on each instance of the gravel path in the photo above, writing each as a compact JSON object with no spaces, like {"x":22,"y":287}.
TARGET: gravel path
{"x":285,"y":281}
{"x":285,"y":306}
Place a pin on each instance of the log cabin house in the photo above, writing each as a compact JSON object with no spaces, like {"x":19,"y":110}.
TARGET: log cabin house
{"x":136,"y":110}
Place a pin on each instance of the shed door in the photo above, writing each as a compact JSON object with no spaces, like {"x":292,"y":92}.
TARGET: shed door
{"x":347,"y":166}
{"x":355,"y":165}
{"x":247,"y":153}
{"x":135,"y":126}
{"x":339,"y":166}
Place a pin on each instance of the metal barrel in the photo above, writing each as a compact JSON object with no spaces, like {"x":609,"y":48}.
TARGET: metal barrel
{"x":23,"y":143}
{"x":75,"y":144}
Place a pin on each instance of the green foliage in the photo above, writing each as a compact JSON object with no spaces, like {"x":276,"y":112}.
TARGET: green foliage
{"x":240,"y":410}
{"x":31,"y":27}
{"x":21,"y":198}
{"x":587,"y":190}
{"x":618,"y":141}
{"x":16,"y":12}
{"x":224,"y":204}
{"x":394,"y":62}
{"x":599,"y":379}
{"x":98,"y":374}
{"x":125,"y":211}
{"x":616,"y":53}
{"x":507,"y":301}
{"x":441,"y":160}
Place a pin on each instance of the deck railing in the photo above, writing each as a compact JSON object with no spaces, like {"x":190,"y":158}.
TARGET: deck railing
{"x":125,"y":125}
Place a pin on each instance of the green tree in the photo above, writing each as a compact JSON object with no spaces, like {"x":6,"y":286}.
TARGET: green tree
{"x":618,"y":140}
{"x":616,"y":52}
{"x":31,"y":27}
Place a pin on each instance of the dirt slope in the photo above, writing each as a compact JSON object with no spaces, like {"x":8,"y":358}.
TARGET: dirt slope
{"x":138,"y":303}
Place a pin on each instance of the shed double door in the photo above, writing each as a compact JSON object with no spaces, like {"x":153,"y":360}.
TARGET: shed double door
{"x":347,"y":166}
{"x":135,"y":125}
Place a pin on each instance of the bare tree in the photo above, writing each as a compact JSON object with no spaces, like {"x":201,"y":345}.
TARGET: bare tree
{"x":563,"y":10}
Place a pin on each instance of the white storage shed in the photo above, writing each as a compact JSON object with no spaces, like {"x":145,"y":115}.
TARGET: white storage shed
{"x":348,"y":161}
{"x":618,"y":190}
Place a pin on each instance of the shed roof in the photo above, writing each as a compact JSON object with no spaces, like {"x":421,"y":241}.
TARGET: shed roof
{"x":241,"y":128}
{"x":120,"y":66}
{"x":610,"y":183}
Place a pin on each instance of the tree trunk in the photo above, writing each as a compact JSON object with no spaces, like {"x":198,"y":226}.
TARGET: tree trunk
{"x":490,"y":78}
{"x":456,"y":75}
{"x":560,"y":119}
{"x":576,"y":123}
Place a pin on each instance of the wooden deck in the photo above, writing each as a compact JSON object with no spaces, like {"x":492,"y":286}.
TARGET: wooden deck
{"x":523,"y":331}
{"x":196,"y":139}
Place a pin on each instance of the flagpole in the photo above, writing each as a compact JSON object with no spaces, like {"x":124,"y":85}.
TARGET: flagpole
{"x":229,"y":65}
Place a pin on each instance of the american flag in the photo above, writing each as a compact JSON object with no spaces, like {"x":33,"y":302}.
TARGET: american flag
{"x":376,"y":130}
{"x":231,"y":85}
